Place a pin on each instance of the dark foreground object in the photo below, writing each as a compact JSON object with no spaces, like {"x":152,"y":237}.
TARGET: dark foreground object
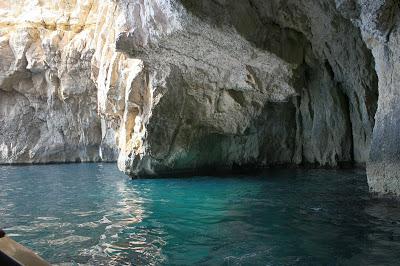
{"x":6,"y":260}
{"x":14,"y":254}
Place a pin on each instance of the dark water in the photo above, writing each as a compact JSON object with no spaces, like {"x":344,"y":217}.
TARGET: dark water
{"x":92,"y":214}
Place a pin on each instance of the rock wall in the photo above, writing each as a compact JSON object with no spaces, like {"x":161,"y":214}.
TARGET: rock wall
{"x":381,"y":31}
{"x":187,"y":85}
{"x":247,"y":83}
{"x":48,"y":103}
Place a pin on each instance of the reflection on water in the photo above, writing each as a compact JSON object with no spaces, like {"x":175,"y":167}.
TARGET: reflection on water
{"x":92,"y":214}
{"x":74,"y":213}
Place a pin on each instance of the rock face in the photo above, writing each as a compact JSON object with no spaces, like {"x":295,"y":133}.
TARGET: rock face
{"x":381,"y":30}
{"x":187,"y":85}
{"x":48,"y":103}
{"x":245,"y":83}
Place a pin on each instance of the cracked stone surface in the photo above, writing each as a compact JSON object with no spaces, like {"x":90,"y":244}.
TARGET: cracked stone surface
{"x":172,"y":86}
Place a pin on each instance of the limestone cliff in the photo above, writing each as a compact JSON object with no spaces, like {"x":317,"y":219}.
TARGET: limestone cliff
{"x":236,"y":83}
{"x":380,"y":25}
{"x":48,"y":103}
{"x":186,"y":85}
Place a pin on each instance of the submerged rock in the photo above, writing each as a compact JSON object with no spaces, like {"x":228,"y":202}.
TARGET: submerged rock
{"x":185,"y":85}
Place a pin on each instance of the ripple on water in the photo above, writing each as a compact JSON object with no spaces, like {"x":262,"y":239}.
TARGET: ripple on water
{"x":96,"y":216}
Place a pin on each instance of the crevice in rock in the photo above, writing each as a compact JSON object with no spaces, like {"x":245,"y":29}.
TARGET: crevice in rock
{"x":346,"y":108}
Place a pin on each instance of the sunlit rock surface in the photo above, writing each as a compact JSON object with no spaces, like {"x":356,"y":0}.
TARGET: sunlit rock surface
{"x":185,"y":85}
{"x":243,"y":83}
{"x":48,"y":103}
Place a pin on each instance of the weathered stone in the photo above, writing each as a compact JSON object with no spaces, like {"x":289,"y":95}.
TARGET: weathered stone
{"x":326,"y":118}
{"x":47,"y":98}
{"x":186,"y":85}
{"x":382,"y":32}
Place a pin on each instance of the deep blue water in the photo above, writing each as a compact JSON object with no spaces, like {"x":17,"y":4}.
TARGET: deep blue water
{"x":93,"y":214}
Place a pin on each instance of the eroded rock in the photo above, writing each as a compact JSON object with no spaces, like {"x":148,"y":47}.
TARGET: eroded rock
{"x":185,"y":85}
{"x":47,"y":98}
{"x":220,"y":70}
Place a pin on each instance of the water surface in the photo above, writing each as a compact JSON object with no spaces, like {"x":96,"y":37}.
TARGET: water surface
{"x":92,"y":214}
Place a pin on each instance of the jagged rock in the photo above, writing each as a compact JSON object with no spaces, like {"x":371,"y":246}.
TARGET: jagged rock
{"x":209,"y":111}
{"x":185,"y":85}
{"x":381,"y":30}
{"x":47,"y":98}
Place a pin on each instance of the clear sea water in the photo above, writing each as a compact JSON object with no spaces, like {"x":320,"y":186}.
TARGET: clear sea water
{"x":92,"y":214}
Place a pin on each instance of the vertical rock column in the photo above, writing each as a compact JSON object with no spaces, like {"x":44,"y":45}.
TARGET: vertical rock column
{"x":379,"y":23}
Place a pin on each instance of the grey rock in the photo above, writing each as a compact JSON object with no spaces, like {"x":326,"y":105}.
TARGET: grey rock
{"x":326,"y":119}
{"x":186,"y":85}
{"x":48,"y":102}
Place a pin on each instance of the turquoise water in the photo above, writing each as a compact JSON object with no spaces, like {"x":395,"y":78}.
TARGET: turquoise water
{"x":92,"y":214}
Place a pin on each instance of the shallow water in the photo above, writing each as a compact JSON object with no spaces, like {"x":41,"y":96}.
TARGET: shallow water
{"x":92,"y":214}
